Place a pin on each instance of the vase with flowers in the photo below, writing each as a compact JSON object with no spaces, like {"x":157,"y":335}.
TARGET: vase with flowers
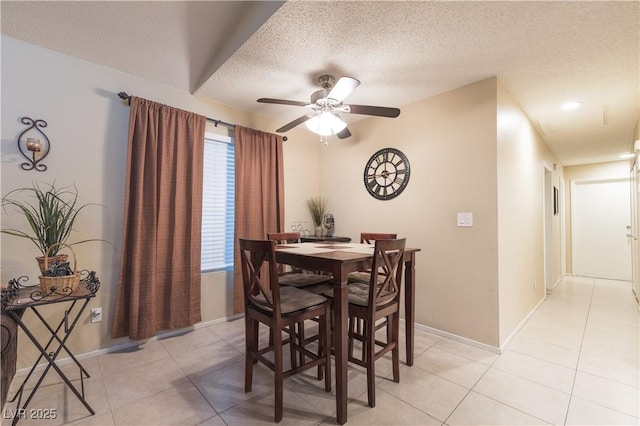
{"x":317,"y":207}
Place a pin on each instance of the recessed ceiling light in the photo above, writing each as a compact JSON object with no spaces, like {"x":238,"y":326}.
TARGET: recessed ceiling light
{"x":627,"y":156}
{"x":568,"y":106}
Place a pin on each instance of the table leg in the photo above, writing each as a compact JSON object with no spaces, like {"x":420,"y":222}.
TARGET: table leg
{"x":409,"y":305}
{"x":54,"y":334}
{"x":340,"y":312}
{"x":51,"y":358}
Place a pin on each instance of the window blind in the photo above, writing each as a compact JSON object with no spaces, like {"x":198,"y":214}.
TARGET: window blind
{"x":218,"y":203}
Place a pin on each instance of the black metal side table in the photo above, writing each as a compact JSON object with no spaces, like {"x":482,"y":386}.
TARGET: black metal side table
{"x":16,"y":298}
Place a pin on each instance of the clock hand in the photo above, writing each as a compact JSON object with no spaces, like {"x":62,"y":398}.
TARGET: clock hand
{"x":385,"y":174}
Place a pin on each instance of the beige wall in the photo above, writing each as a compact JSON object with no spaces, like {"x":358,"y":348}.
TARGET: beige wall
{"x":87,"y":127}
{"x":471,"y":150}
{"x":450,"y":142}
{"x":522,"y":197}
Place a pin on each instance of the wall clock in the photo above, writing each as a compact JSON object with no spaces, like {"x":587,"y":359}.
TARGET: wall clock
{"x":386,"y":174}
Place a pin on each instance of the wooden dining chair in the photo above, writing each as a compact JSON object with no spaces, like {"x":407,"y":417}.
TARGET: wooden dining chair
{"x":296,"y":277}
{"x":377,"y":306}
{"x":279,"y":308}
{"x":368,"y":238}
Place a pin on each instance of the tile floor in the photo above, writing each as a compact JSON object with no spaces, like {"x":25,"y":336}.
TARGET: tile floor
{"x":575,"y":362}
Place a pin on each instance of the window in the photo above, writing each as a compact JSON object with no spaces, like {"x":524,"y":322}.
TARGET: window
{"x":218,"y":202}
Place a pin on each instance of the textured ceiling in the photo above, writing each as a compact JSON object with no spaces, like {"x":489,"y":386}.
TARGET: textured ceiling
{"x":235,"y":52}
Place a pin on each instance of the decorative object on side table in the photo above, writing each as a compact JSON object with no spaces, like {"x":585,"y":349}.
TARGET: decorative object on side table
{"x":329,"y":223}
{"x":15,"y":288}
{"x":317,"y":207}
{"x":38,"y":149}
{"x":59,"y":275}
{"x":50,"y":218}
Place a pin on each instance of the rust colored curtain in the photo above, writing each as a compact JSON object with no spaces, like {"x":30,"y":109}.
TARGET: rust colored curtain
{"x":159,"y":286}
{"x":259,"y":194}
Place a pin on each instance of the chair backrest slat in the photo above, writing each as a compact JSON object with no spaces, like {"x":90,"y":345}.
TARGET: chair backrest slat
{"x":387,"y":261}
{"x":371,"y":237}
{"x":285,"y":238}
{"x":259,"y":272}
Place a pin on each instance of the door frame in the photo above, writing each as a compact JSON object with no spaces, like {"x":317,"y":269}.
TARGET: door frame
{"x":633,"y":231}
{"x":547,"y":226}
{"x":562,"y":228}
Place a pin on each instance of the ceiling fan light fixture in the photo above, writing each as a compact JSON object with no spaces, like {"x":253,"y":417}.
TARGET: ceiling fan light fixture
{"x":325,"y":124}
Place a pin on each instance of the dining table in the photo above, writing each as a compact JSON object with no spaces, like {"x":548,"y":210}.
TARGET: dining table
{"x":338,"y":260}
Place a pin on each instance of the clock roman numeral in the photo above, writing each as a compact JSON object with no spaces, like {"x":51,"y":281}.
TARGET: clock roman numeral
{"x":373,"y":185}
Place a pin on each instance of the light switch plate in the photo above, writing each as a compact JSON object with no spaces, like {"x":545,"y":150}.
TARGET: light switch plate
{"x":465,"y":219}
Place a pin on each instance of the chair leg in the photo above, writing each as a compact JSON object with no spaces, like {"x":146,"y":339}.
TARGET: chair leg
{"x":395,"y":352}
{"x":322,"y":348}
{"x":292,"y":345}
{"x":370,"y":356}
{"x":350,"y":334}
{"x":278,"y":376}
{"x":251,"y":331}
{"x":325,"y":340}
{"x":301,"y":342}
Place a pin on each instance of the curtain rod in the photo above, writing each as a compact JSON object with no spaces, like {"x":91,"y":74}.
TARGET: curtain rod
{"x":125,"y":97}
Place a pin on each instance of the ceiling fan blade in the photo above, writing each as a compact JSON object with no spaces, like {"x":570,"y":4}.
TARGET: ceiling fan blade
{"x":344,"y":133}
{"x":281,"y":102}
{"x":294,"y":123}
{"x":343,"y":88}
{"x":374,"y":110}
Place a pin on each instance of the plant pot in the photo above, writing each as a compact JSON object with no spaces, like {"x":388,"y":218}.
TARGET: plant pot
{"x":41,"y":260}
{"x":318,"y":231}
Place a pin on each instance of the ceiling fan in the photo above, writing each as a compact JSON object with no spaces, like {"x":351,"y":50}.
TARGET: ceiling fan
{"x":326,"y":103}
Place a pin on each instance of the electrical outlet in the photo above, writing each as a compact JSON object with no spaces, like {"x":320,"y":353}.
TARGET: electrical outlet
{"x":96,"y":315}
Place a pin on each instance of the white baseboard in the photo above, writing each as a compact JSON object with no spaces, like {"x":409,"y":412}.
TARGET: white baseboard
{"x":475,"y":343}
{"x":133,"y":343}
{"x":457,"y":338}
{"x":522,"y":324}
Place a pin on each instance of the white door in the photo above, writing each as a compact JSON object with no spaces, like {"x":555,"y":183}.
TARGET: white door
{"x":600,"y":214}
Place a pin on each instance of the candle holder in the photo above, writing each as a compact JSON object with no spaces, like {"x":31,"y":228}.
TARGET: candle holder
{"x":32,"y":148}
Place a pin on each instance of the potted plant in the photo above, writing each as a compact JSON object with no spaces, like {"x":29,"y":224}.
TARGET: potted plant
{"x":317,"y":206}
{"x":50,"y":217}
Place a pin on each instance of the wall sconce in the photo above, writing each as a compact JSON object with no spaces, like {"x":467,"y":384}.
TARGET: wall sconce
{"x":38,"y":148}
